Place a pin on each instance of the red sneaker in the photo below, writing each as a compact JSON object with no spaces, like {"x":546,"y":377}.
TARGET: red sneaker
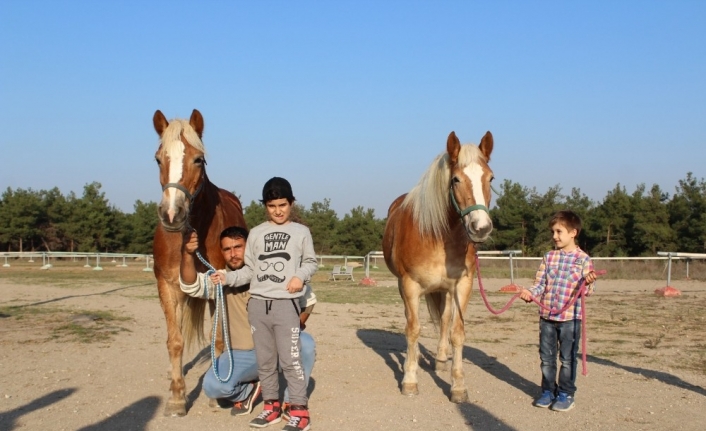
{"x":298,"y":419}
{"x":271,"y":414}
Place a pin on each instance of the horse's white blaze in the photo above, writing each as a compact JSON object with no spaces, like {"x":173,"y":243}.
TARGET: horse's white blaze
{"x":474,"y":172}
{"x":175,"y":153}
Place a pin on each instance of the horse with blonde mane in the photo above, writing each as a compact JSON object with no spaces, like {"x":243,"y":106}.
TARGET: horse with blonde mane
{"x":429,"y":244}
{"x":189,"y":201}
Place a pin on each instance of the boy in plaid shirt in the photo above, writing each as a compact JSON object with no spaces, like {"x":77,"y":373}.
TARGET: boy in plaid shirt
{"x":557,"y":282}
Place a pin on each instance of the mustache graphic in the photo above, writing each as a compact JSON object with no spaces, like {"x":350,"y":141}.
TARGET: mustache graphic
{"x":270,"y":277}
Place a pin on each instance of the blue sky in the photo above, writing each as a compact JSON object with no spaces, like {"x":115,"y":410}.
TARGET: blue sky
{"x":351,"y":100}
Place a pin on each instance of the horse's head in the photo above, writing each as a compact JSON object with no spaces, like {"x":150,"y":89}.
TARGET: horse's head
{"x":182,"y":167}
{"x":469,"y":188}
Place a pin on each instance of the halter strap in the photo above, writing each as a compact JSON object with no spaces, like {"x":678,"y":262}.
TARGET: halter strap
{"x":178,"y":186}
{"x":467,"y":210}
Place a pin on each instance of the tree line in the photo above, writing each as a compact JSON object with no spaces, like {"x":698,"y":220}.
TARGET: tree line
{"x":623,"y":224}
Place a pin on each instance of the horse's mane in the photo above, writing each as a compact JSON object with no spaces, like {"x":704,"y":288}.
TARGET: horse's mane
{"x":429,"y":199}
{"x":172,"y":136}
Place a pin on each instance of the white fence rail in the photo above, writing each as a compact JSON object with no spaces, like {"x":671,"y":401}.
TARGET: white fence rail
{"x":120,"y":259}
{"x":47,"y":257}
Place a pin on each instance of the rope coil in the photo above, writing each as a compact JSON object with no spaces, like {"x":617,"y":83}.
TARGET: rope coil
{"x":220,"y":302}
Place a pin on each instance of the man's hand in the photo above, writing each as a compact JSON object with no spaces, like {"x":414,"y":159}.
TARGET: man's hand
{"x":190,"y":242}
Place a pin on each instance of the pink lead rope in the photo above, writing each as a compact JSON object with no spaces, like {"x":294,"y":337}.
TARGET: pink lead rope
{"x":581,"y":294}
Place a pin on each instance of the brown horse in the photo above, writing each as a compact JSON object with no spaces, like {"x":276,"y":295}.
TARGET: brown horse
{"x":429,"y":244}
{"x":189,"y":201}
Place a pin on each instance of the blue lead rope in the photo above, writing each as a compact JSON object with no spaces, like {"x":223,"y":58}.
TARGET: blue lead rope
{"x":220,"y":302}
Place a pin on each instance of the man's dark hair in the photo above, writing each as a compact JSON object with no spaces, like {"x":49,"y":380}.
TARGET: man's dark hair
{"x":234,"y":232}
{"x":569,"y":219}
{"x":277,"y":188}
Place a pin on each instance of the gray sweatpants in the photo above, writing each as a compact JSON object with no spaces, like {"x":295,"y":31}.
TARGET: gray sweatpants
{"x":275,"y":331}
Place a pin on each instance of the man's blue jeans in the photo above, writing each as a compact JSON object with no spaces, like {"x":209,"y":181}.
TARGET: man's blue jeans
{"x":239,"y":386}
{"x":566,"y":336}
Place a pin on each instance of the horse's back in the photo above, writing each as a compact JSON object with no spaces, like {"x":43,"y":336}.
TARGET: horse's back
{"x":231,"y":208}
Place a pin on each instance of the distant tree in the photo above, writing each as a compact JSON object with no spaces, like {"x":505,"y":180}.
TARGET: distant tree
{"x":611,"y":220}
{"x":511,"y":217}
{"x":650,"y":226}
{"x":359,"y":233}
{"x":322,"y":222}
{"x":543,"y":207}
{"x":56,"y":210}
{"x":95,"y":219}
{"x":21,"y":214}
{"x":687,"y":215}
{"x":254,"y":214}
{"x":142,"y":224}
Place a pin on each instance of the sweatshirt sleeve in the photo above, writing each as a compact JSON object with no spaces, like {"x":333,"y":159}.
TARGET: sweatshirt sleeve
{"x":200,"y":288}
{"x":309,"y":265}
{"x":587,"y":268}
{"x":540,"y":279}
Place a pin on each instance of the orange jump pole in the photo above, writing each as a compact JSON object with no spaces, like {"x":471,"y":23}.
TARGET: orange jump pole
{"x":668,"y":291}
{"x":512,"y":287}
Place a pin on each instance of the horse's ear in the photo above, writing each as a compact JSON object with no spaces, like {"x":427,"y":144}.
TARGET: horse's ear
{"x":486,"y":145}
{"x":196,"y":122}
{"x":453,"y":147}
{"x":160,"y":122}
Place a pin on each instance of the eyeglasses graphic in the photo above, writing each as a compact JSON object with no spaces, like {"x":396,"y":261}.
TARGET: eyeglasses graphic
{"x":278,"y":266}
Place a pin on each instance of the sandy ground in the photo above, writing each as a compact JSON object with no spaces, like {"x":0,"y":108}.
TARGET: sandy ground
{"x":120,"y":384}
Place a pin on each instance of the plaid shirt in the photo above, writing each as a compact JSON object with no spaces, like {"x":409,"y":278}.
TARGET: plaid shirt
{"x":557,"y":281}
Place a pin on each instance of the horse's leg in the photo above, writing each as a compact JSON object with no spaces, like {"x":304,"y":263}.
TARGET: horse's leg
{"x":409,"y":291}
{"x":172,"y":306}
{"x":459,"y":393}
{"x":442,"y":353}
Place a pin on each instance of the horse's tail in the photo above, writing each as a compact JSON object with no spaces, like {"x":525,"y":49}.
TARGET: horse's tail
{"x":436,"y":301}
{"x":192,"y":321}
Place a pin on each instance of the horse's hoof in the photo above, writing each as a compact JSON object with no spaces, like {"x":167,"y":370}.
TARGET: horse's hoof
{"x":213,"y":403}
{"x":175,"y":409}
{"x":459,"y":396}
{"x":410,"y":389}
{"x":441,"y":365}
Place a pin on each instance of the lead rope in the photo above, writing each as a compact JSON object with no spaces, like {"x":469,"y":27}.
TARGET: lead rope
{"x":581,"y":294}
{"x":220,"y":302}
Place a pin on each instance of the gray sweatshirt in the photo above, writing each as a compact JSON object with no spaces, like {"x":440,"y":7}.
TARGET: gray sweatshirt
{"x":273,"y":255}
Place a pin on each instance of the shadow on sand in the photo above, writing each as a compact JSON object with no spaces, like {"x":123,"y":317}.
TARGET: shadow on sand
{"x":9,"y":418}
{"x":392,"y":347}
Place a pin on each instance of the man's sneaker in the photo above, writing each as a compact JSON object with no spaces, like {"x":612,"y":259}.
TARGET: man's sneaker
{"x":271,"y":414}
{"x":285,"y":411}
{"x":564,"y":402}
{"x":245,"y":406}
{"x":545,"y":400}
{"x":298,"y":419}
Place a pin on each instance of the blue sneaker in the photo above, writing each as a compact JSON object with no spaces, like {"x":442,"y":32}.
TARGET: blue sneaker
{"x":545,"y":400}
{"x":564,"y":402}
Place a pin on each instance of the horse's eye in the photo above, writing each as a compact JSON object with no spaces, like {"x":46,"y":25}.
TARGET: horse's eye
{"x":455,"y":181}
{"x":491,"y":179}
{"x":159,"y":162}
{"x":199,"y":161}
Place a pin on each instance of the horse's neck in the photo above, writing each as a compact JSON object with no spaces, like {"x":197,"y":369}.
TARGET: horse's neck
{"x":458,"y":235}
{"x":204,"y":206}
